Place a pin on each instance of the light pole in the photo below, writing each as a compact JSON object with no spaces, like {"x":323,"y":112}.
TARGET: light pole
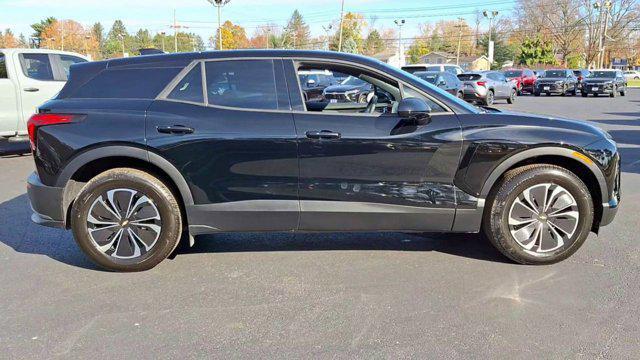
{"x":219,"y":4}
{"x":326,"y":35}
{"x":341,"y":26}
{"x":490,"y":15}
{"x":86,"y":37}
{"x":606,"y":7}
{"x":400,"y":23}
{"x":121,"y":36}
{"x":162,"y":35}
{"x":459,"y":26}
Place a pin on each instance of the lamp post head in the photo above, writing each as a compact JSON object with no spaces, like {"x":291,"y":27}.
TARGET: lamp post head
{"x":219,"y":2}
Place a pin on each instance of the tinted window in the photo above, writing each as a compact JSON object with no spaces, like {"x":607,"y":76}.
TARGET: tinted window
{"x":513,"y":73}
{"x":554,"y":73}
{"x":433,"y":68}
{"x":190,"y":87}
{"x":67,"y":60}
{"x":451,"y":69}
{"x":414,"y":69}
{"x":37,"y":66}
{"x":410,"y":93}
{"x":247,"y":84}
{"x":469,"y":77}
{"x":128,"y":84}
{"x":3,"y":67}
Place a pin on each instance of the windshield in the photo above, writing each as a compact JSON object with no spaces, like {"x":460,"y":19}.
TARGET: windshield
{"x":513,"y":73}
{"x":554,"y":73}
{"x":430,"y":77}
{"x":354,"y":81}
{"x":603,"y":74}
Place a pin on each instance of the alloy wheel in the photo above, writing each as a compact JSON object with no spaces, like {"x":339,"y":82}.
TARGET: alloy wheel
{"x":543,"y":218}
{"x":124,"y":223}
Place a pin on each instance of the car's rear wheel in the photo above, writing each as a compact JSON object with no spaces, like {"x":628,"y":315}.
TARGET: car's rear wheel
{"x":614,"y":92}
{"x":584,"y":94}
{"x":623,"y":92}
{"x":488,"y":100}
{"x":539,"y":214}
{"x":126,"y":220}
{"x":512,"y":98}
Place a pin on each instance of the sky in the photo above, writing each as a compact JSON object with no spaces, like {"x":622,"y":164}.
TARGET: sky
{"x":200,"y":16}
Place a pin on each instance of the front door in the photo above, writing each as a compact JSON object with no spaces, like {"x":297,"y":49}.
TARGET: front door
{"x":362,"y":167}
{"x":234,"y":143}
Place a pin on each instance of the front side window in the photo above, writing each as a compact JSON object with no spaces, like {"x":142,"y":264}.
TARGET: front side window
{"x":248,"y":84}
{"x":411,"y":93}
{"x":37,"y":66}
{"x":451,"y":69}
{"x":189,"y":88}
{"x":67,"y":60}
{"x":3,"y":67}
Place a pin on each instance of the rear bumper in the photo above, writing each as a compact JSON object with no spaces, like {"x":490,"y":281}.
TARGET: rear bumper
{"x":46,"y":203}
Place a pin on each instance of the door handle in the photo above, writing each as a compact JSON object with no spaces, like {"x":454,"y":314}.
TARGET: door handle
{"x":175,"y":129}
{"x":323,"y":134}
{"x":31,"y":89}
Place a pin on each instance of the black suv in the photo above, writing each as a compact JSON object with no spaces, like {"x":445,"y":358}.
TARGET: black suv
{"x":605,"y":82}
{"x":561,"y":82}
{"x":135,"y":153}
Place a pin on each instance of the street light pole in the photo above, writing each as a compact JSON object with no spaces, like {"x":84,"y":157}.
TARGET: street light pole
{"x":490,"y":15}
{"x":162,"y":34}
{"x":341,"y":26}
{"x":326,"y":32}
{"x":459,"y":26}
{"x":400,"y":24}
{"x":219,"y":4}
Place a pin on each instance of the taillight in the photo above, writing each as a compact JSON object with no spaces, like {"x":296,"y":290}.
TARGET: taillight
{"x":579,"y":78}
{"x":44,"y":119}
{"x":481,"y":83}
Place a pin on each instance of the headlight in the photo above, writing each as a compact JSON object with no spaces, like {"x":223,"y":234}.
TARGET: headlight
{"x":559,"y":82}
{"x":351,"y":92}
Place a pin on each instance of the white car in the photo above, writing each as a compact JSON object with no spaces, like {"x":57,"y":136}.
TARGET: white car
{"x":454,"y":69}
{"x":632,"y":74}
{"x":28,"y":78}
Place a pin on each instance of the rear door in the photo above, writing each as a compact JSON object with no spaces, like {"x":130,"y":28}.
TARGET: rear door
{"x":227,"y":126}
{"x":9,"y":114}
{"x":372,"y":170}
{"x":39,"y":80}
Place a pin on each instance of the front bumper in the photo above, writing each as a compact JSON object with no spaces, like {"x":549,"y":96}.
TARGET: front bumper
{"x":596,"y":89}
{"x":46,"y":203}
{"x":552,"y":88}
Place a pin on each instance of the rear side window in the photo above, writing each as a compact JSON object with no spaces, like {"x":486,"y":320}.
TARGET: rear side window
{"x":67,"y":60}
{"x":451,"y":69}
{"x":3,"y":67}
{"x":190,"y":87}
{"x":143,"y":83}
{"x":247,"y":84}
{"x":433,"y":68}
{"x":36,"y":66}
{"x":469,"y":77}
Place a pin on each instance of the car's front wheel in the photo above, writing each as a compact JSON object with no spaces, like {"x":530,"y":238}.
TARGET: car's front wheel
{"x":488,"y":100}
{"x":539,"y":214}
{"x":512,"y":98}
{"x":126,"y":220}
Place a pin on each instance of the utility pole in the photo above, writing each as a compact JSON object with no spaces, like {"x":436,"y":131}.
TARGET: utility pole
{"x":219,"y":4}
{"x":175,"y":27}
{"x":62,"y":35}
{"x":459,"y":26}
{"x":121,"y":36}
{"x":268,"y":35}
{"x":326,"y":35}
{"x":607,"y":9}
{"x":86,"y":51}
{"x":341,"y":26}
{"x":490,"y":15}
{"x":162,"y":35}
{"x":400,"y":24}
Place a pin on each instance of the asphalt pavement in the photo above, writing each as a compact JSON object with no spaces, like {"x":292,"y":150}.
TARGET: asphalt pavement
{"x":364,"y":295}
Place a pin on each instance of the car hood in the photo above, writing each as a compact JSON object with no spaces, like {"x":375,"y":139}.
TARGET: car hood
{"x":343,"y":88}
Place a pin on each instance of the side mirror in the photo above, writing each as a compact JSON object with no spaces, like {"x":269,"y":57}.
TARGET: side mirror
{"x":415,"y":110}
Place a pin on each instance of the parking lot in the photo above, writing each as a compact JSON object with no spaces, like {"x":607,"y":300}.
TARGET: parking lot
{"x":391,"y":295}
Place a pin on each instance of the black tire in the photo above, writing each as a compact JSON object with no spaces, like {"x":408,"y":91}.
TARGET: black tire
{"x":595,"y":94}
{"x":460,"y":95}
{"x":548,"y":94}
{"x":488,"y":100}
{"x":536,"y":93}
{"x":565,"y":90}
{"x":623,"y":92}
{"x":511,"y":99}
{"x":161,"y":200}
{"x":575,"y":91}
{"x":584,"y":94}
{"x":614,"y":92}
{"x":496,"y":218}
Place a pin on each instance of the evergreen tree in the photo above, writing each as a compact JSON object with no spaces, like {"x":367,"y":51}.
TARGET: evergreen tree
{"x":535,"y":51}
{"x":39,"y":27}
{"x":373,"y":44}
{"x":297,"y":31}
{"x":97,"y":31}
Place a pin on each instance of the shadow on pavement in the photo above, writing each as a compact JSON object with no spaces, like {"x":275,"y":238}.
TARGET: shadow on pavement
{"x":19,"y":233}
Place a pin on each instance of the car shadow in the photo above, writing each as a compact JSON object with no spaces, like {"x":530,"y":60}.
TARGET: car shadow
{"x":19,"y":233}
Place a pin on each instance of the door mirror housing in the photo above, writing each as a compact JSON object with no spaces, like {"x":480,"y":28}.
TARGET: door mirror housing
{"x":415,"y":110}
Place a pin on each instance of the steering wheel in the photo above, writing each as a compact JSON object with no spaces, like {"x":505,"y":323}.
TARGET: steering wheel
{"x":371,"y":104}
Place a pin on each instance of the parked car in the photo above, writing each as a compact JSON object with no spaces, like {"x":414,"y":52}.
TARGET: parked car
{"x":28,"y":78}
{"x":133,"y":153}
{"x":454,"y":69}
{"x":632,"y":75}
{"x":601,"y":82}
{"x":444,"y":80}
{"x":561,"y":82}
{"x":351,"y":89}
{"x":314,"y":82}
{"x":525,"y":79}
{"x":487,"y":86}
{"x":581,"y":75}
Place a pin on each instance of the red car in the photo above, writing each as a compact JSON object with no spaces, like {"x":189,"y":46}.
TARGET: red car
{"x":525,"y":79}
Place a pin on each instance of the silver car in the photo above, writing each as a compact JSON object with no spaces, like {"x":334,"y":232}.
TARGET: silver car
{"x":487,"y":86}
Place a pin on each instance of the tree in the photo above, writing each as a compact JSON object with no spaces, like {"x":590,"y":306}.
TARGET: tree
{"x":502,"y":52}
{"x":535,"y":52}
{"x":352,"y":25}
{"x":142,"y":40}
{"x":113,"y":43}
{"x":298,"y":32}
{"x":187,"y":42}
{"x":418,"y":49}
{"x":39,"y":27}
{"x":22,"y":41}
{"x":373,"y":44}
{"x":70,"y":36}
{"x":8,"y":40}
{"x":97,"y":31}
{"x":233,"y":37}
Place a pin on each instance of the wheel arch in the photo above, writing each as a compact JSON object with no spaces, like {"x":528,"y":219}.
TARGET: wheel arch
{"x":95,"y":161}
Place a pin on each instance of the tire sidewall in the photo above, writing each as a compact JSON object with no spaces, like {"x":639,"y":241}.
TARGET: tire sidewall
{"x":506,"y":196}
{"x":171,"y":221}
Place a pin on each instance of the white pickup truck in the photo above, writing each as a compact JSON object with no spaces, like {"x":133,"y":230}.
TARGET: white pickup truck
{"x":28,"y":78}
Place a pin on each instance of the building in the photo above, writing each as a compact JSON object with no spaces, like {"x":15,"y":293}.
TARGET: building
{"x":466,"y":62}
{"x":390,"y":57}
{"x":438,"y":57}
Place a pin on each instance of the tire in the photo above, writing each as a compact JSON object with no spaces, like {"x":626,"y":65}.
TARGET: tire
{"x":535,"y":93}
{"x":584,"y":94}
{"x":149,"y":230}
{"x":565,"y":90}
{"x":460,"y":95}
{"x":595,"y":94}
{"x":614,"y":93}
{"x":505,"y":203}
{"x":488,"y":100}
{"x":623,"y":92}
{"x":511,"y":99}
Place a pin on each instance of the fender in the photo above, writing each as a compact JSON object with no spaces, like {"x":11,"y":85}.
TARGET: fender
{"x":131,"y":152}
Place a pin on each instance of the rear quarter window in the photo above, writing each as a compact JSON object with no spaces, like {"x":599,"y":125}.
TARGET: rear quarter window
{"x":3,"y":67}
{"x":469,"y":77}
{"x":140,"y":83}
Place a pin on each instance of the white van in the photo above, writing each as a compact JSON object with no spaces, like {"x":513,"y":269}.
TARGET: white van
{"x":28,"y":78}
{"x":451,"y":68}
